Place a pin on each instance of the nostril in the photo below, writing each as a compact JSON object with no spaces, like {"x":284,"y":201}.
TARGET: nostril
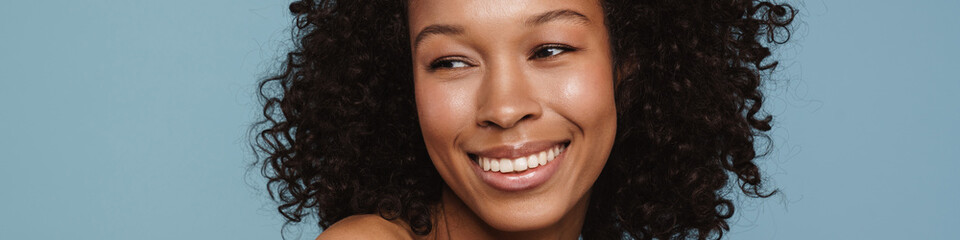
{"x":507,"y":123}
{"x":486,"y":123}
{"x":505,"y":112}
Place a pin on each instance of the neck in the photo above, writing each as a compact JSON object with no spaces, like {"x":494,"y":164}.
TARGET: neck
{"x":455,"y":220}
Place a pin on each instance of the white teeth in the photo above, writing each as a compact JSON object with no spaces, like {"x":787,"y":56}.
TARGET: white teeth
{"x":506,"y":166}
{"x":532,"y":161}
{"x":521,"y":164}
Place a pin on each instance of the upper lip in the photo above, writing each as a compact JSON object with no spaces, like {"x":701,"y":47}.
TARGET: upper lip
{"x":512,"y":151}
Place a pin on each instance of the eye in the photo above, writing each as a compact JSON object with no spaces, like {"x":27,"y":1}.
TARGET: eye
{"x":550,"y":50}
{"x":448,"y":63}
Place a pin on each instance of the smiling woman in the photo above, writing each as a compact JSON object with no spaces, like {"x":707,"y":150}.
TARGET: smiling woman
{"x":492,"y":105}
{"x":534,"y":119}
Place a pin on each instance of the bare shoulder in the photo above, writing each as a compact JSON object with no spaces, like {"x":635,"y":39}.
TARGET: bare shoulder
{"x":367,"y":226}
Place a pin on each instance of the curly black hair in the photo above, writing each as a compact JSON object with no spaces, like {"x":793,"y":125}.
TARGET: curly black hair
{"x":340,"y":135}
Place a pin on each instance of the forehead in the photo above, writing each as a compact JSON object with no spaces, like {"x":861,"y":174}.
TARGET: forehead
{"x":492,"y":12}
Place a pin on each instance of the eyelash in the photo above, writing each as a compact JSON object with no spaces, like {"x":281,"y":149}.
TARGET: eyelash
{"x":537,"y":53}
{"x":439,"y":63}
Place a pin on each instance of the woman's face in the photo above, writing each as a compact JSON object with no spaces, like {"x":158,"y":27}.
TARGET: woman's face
{"x":515,"y":99}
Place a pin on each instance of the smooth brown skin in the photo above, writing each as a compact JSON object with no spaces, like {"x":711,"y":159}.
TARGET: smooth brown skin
{"x":367,"y":227}
{"x":505,"y":84}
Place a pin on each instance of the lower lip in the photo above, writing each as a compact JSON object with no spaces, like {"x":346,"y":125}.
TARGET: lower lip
{"x":526,"y":180}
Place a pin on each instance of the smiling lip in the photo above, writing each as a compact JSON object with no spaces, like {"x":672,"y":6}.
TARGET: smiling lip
{"x":519,"y":181}
{"x":516,"y":151}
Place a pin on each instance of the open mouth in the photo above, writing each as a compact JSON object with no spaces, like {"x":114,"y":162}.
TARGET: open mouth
{"x":519,"y":164}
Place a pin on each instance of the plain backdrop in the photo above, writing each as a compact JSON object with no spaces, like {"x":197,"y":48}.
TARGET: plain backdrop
{"x":128,"y":120}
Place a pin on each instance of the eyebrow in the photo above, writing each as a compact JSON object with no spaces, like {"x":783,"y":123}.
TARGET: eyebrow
{"x":539,"y":19}
{"x":437,"y":29}
{"x":556,"y":15}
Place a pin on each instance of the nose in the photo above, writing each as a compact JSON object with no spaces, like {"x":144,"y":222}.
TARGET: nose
{"x":506,"y":98}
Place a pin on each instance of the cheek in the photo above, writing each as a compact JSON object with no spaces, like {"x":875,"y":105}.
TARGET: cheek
{"x":586,"y":95}
{"x":442,"y":110}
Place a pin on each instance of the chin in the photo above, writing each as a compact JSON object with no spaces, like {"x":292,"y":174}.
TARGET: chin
{"x":511,"y":219}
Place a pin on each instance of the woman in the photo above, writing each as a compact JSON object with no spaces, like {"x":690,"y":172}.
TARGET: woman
{"x":534,"y":119}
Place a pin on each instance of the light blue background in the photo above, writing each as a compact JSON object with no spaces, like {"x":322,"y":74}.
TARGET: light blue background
{"x":127,"y":120}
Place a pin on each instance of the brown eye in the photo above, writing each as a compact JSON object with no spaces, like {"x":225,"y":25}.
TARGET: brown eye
{"x":448,"y":63}
{"x":551,"y":50}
